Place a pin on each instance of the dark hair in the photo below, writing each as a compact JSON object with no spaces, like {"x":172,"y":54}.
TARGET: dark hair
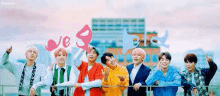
{"x":166,"y":54}
{"x":103,"y":59}
{"x":96,"y":51}
{"x":191,"y":57}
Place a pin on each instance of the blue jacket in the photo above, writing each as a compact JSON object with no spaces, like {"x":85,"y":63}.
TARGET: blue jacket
{"x":168,"y":85}
{"x":141,"y":76}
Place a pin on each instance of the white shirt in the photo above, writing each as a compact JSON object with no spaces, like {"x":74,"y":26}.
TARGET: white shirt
{"x":134,"y":72}
{"x":86,"y":85}
{"x":17,"y":68}
{"x":50,"y":74}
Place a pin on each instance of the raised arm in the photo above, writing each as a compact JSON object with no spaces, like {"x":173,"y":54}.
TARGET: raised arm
{"x":76,"y":58}
{"x":7,"y":64}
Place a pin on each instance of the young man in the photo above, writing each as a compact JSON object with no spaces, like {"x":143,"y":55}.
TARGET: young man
{"x":138,"y":73}
{"x":29,"y":76}
{"x":194,"y":80}
{"x":167,"y":78}
{"x":60,"y":74}
{"x":89,"y":80}
{"x":115,"y":76}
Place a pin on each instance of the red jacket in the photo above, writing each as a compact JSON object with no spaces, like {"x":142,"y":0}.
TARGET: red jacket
{"x":94,"y":73}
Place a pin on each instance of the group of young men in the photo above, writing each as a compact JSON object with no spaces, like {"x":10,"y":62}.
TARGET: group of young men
{"x":111,"y":80}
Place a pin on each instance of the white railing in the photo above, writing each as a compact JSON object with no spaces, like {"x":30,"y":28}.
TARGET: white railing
{"x":214,"y":90}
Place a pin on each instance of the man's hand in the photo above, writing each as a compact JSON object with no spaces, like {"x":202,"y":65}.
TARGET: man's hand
{"x":158,"y":65}
{"x":32,"y":91}
{"x":208,"y":59}
{"x":9,"y":50}
{"x":137,"y":86}
{"x":121,"y":78}
{"x":194,"y":91}
{"x":77,"y":85}
{"x":106,"y":72}
{"x":54,"y":88}
{"x":157,"y":82}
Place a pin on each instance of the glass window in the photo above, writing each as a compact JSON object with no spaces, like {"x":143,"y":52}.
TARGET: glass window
{"x":141,"y":20}
{"x":120,"y":58}
{"x":102,"y":25}
{"x":154,"y":58}
{"x":147,"y":58}
{"x":110,"y":20}
{"x":125,"y":20}
{"x":129,"y":58}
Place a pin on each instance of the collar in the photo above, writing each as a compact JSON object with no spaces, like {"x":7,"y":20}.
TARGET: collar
{"x":138,"y":67}
{"x":195,"y":71}
{"x":59,"y":67}
{"x":169,"y":69}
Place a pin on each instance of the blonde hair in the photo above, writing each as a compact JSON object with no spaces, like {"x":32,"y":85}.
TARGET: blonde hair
{"x":31,"y":47}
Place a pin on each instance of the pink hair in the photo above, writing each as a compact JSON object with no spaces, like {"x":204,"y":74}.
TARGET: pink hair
{"x":139,"y":51}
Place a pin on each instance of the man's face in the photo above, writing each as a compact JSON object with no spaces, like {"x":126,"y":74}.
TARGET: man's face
{"x":61,"y":58}
{"x":190,"y":66}
{"x":92,"y":56}
{"x":31,"y":54}
{"x":137,"y":58}
{"x":110,"y":61}
{"x":164,"y":62}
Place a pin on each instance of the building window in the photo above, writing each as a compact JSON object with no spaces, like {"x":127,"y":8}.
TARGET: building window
{"x":141,"y":29}
{"x":118,"y":25}
{"x":125,"y":25}
{"x":141,"y":20}
{"x":147,"y":58}
{"x":125,"y":20}
{"x":133,"y":20}
{"x":102,"y":29}
{"x":94,"y":25}
{"x":110,"y":25}
{"x":129,"y":58}
{"x":110,"y":29}
{"x":154,"y":58}
{"x":102,"y":25}
{"x":94,"y":29}
{"x":118,"y":29}
{"x":102,"y":20}
{"x":141,"y":25}
{"x":120,"y":58}
{"x":118,"y":20}
{"x":110,"y":20}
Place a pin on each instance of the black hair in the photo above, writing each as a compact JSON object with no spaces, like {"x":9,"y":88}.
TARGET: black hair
{"x":103,"y":59}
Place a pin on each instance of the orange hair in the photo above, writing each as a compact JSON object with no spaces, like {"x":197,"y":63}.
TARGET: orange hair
{"x":62,"y":50}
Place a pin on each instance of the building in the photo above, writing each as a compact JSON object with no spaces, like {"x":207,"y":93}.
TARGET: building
{"x":107,"y":37}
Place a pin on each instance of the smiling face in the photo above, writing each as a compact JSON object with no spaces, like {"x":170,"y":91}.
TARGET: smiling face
{"x":61,"y":57}
{"x":138,"y":55}
{"x":137,"y":58}
{"x":110,"y":62}
{"x":92,"y":56}
{"x":31,"y":54}
{"x":164,"y":62}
